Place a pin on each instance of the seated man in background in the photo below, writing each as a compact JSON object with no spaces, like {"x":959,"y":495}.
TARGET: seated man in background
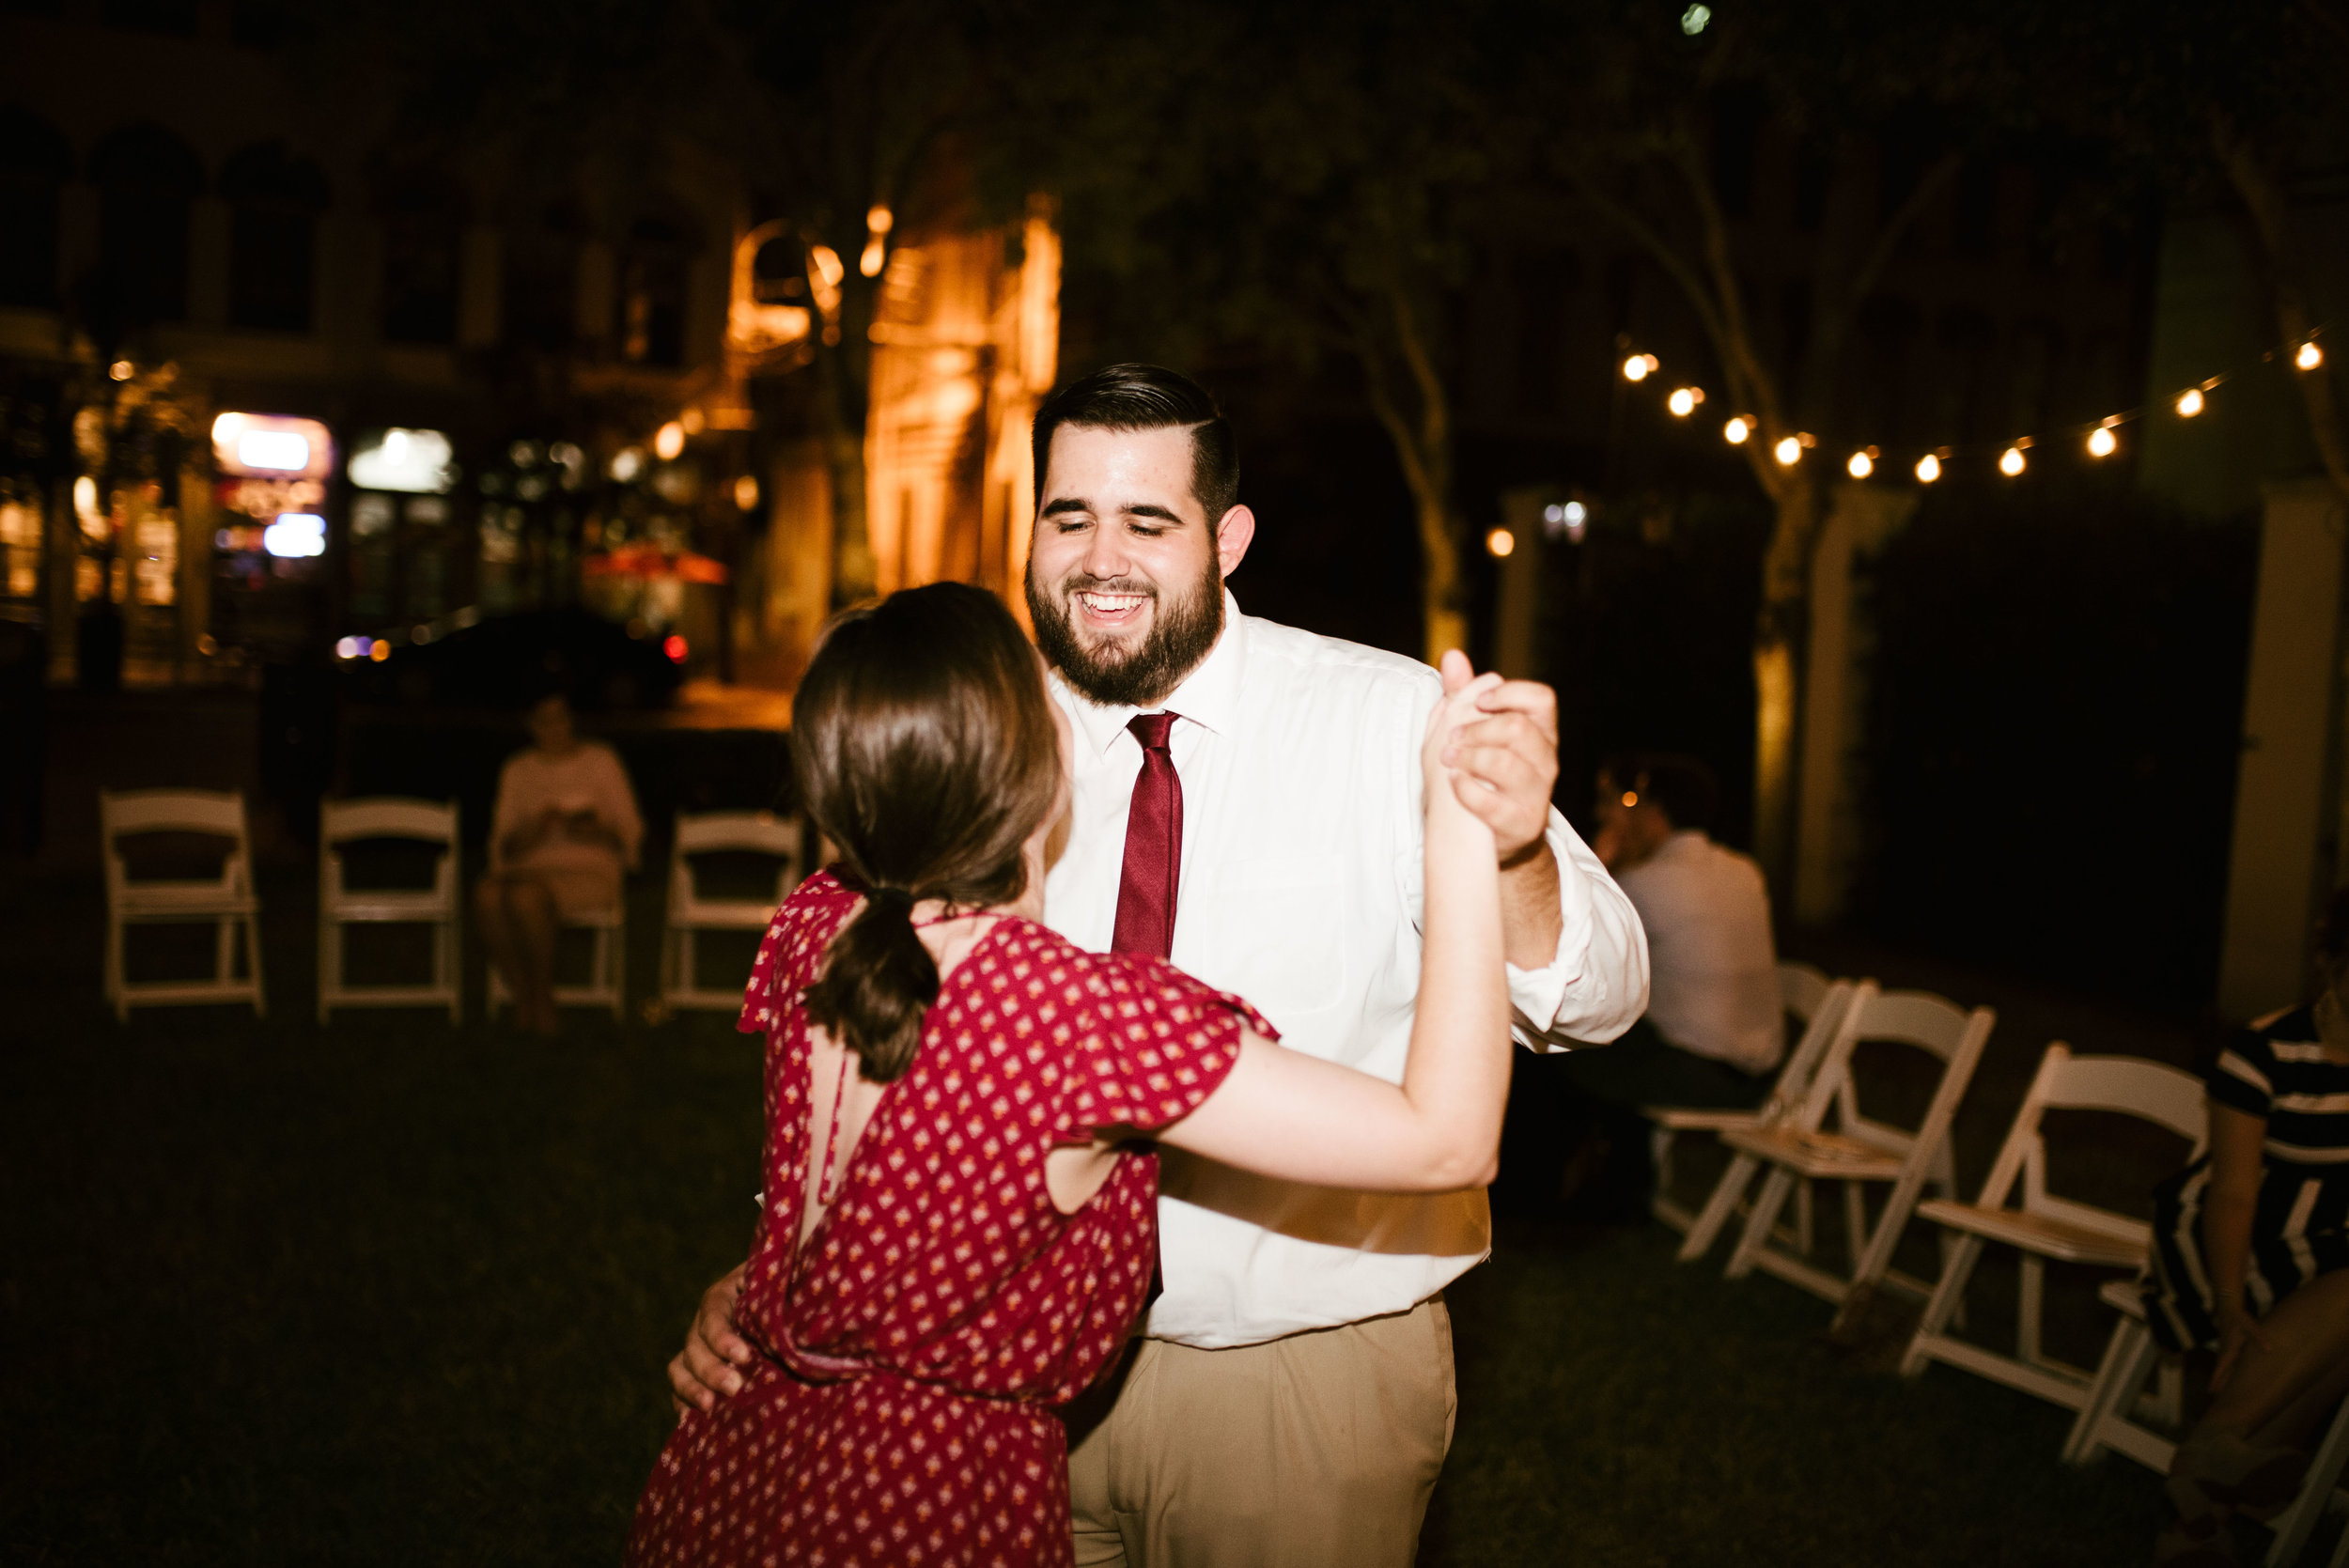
{"x":1715,"y":1030}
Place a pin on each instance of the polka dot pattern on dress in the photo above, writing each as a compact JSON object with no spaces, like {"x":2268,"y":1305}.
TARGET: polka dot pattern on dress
{"x":943,"y":1308}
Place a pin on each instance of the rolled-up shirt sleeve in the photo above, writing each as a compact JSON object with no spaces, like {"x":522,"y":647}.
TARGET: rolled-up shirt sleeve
{"x":1595,"y":987}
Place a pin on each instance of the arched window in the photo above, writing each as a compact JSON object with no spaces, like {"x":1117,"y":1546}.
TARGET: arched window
{"x":35,"y":161}
{"x":146,"y":178}
{"x":274,"y":199}
{"x":542,"y":279}
{"x":423,"y":217}
{"x":655,"y":261}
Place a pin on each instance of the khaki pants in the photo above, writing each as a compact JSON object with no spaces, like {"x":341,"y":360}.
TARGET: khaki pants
{"x":1311,"y":1451}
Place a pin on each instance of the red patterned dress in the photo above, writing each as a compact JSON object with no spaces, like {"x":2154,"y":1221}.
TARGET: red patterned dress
{"x":917,"y":1348}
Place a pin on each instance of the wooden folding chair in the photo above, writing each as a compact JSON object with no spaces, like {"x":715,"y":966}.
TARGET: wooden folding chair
{"x":1861,"y":1149}
{"x":226,"y":902}
{"x":2043,"y":1226}
{"x":1820,"y":1004}
{"x":341,"y":906}
{"x":707,"y":832}
{"x":607,"y":965}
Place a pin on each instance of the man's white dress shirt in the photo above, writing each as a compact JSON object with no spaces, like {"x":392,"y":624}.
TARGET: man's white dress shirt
{"x":1707,"y":914}
{"x":1301,"y":890}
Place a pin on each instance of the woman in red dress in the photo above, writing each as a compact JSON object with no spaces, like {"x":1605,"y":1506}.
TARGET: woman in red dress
{"x":958,"y":1220}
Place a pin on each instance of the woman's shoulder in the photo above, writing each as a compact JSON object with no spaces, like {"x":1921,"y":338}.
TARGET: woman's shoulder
{"x":791,"y":953}
{"x":1110,"y":988}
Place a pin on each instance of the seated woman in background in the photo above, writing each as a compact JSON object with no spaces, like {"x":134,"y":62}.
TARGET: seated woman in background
{"x":2251,"y":1260}
{"x":565,"y":829}
{"x":959,"y":1212}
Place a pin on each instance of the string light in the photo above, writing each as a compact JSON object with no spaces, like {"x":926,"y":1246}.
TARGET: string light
{"x":2309,"y":356}
{"x":1928,"y":469}
{"x":2101,"y":442}
{"x":1736,"y":430}
{"x":2011,"y":462}
{"x":1684,"y":401}
{"x":1501,"y":542}
{"x":1638,"y":367}
{"x":1788,"y":452}
{"x":1861,"y":465}
{"x":2189,"y":402}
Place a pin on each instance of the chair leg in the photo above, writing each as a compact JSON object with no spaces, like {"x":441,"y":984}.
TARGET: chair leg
{"x":1717,"y":1208}
{"x":2298,"y":1522}
{"x":117,"y":994}
{"x":1659,"y":1145}
{"x":329,"y":973}
{"x":1946,"y":1298}
{"x":1854,"y":1224}
{"x":1805,"y":1235}
{"x":2128,"y":1355}
{"x":1757,"y":1232}
{"x":252,"y":957}
{"x":450,"y":975}
{"x":1869,"y":1268}
{"x":2027,"y":1306}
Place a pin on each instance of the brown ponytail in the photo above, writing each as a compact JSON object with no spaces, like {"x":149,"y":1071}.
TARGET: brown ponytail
{"x":923,"y":748}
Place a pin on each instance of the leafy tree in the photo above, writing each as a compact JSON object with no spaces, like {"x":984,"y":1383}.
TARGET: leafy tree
{"x":1634,"y":108}
{"x":1299,"y":179}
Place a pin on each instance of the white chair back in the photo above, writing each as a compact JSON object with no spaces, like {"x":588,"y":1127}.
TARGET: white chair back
{"x":226,"y":902}
{"x":390,"y":816}
{"x":218,"y":813}
{"x":690,"y":912}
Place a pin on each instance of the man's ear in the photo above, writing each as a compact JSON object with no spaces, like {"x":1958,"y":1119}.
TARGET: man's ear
{"x":1233,"y":536}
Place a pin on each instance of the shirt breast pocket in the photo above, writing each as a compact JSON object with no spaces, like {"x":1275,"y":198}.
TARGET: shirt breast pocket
{"x":1274,"y":933}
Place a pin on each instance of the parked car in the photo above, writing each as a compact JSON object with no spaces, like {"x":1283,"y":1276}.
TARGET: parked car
{"x":502,"y":660}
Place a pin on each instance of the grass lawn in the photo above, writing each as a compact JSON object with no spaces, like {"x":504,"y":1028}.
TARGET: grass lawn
{"x":395,"y":1293}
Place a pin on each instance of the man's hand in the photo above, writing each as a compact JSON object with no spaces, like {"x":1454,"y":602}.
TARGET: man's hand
{"x":2237,"y":1331}
{"x":1509,"y":758}
{"x":704,"y":1369}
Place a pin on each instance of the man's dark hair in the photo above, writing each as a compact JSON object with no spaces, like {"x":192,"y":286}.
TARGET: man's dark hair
{"x":1149,"y":397}
{"x":1684,"y":787}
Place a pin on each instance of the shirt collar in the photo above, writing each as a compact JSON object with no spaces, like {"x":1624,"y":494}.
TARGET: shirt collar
{"x":1208,"y":696}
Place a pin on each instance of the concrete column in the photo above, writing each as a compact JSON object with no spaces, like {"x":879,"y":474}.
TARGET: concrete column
{"x":2280,"y":868}
{"x":1518,"y":604}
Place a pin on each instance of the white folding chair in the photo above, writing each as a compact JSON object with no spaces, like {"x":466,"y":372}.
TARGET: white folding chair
{"x":340,"y":905}
{"x":707,"y":832}
{"x":2043,"y":1226}
{"x":1861,"y":1149}
{"x":226,"y":902}
{"x":607,"y":961}
{"x":1819,"y":1003}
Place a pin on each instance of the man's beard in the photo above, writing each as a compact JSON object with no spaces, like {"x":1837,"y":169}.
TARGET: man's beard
{"x":1181,"y":633}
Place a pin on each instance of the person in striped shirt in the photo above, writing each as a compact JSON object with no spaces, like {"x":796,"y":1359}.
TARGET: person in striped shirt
{"x":2251,"y":1260}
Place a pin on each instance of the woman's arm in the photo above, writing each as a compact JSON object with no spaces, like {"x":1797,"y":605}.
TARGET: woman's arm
{"x":1282,"y":1113}
{"x":2228,"y":1207}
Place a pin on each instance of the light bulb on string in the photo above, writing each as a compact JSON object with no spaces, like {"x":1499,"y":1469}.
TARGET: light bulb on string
{"x":1638,"y":366}
{"x":1684,"y":401}
{"x":1928,"y":469}
{"x":1788,"y":452}
{"x":2011,"y":462}
{"x":1861,"y":465}
{"x":1736,"y":430}
{"x":2189,"y":402}
{"x":2309,"y":356}
{"x":2102,"y":441}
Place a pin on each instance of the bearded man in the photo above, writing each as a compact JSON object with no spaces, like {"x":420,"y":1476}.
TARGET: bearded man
{"x":1246,"y":800}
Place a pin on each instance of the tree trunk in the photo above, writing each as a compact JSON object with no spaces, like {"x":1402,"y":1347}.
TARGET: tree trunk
{"x":1778,"y":642}
{"x":1423,"y":447}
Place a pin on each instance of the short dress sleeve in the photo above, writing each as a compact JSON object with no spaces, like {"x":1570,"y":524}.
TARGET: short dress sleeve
{"x":2243,"y":1077}
{"x":1157,"y":1045}
{"x":790,"y":954}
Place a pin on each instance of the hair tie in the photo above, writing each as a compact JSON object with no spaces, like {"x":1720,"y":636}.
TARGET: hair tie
{"x":894,"y":899}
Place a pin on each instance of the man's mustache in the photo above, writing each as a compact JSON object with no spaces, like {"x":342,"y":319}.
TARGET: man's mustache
{"x":1091,"y":585}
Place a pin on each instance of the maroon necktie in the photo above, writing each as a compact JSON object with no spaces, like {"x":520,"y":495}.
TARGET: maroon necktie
{"x":1154,"y":846}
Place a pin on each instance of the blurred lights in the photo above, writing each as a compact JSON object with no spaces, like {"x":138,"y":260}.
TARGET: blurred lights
{"x":380,"y":652}
{"x":2101,"y":443}
{"x":295,"y":535}
{"x":2189,"y":402}
{"x":1640,"y":367}
{"x":2011,"y":462}
{"x":1736,"y":430}
{"x":2309,"y":356}
{"x":746,"y":493}
{"x":693,"y":420}
{"x":1928,"y":469}
{"x":1695,"y":19}
{"x":122,"y":370}
{"x":674,"y":646}
{"x":1499,"y":543}
{"x":1684,"y":401}
{"x":669,"y":441}
{"x":1860,"y":465}
{"x":283,"y":450}
{"x":1630,"y":799}
{"x":1788,"y":452}
{"x":628,"y":463}
{"x":828,"y":269}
